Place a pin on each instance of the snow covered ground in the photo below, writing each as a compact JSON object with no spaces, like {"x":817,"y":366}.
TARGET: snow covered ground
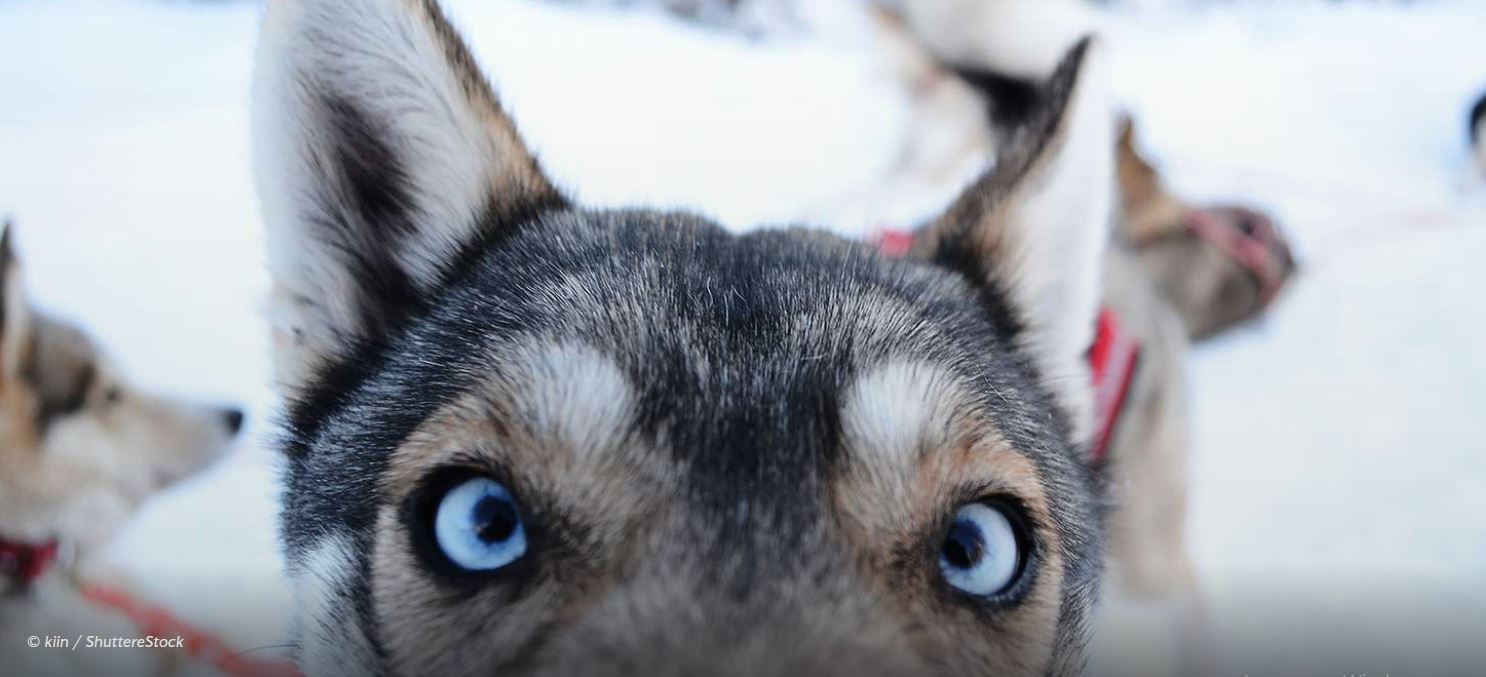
{"x":1339,"y":489}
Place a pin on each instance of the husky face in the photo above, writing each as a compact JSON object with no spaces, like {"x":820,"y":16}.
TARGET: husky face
{"x":80,"y":448}
{"x":529,"y":438}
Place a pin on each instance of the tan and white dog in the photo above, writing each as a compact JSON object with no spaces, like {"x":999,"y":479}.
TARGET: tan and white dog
{"x":80,"y":451}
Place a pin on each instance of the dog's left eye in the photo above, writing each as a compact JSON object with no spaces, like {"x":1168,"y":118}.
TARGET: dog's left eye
{"x":477,"y":526}
{"x":982,"y":553}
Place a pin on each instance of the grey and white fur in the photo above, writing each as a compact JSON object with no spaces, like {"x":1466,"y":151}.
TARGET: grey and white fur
{"x":731,"y":454}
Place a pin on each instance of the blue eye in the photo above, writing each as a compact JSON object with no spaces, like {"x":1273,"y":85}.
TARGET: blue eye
{"x":477,"y":526}
{"x":981,"y":554}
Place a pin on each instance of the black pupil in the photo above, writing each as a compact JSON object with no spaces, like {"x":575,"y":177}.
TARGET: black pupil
{"x":963,"y":547}
{"x":495,"y":519}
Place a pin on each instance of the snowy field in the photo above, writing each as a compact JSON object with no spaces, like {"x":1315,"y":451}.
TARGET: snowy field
{"x":1339,"y":489}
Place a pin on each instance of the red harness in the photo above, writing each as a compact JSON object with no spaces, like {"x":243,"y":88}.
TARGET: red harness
{"x":26,"y":562}
{"x":1112,"y":358}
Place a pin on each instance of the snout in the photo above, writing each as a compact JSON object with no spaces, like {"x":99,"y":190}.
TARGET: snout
{"x":1261,"y":231}
{"x":1251,"y":240}
{"x":178,"y":439}
{"x":739,"y":648}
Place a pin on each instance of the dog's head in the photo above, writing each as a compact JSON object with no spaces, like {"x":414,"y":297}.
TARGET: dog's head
{"x":1218,"y":266}
{"x":527,"y":437}
{"x":80,"y":448}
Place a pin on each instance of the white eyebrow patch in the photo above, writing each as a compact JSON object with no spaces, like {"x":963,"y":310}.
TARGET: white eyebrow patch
{"x":900,"y":408}
{"x":574,"y":395}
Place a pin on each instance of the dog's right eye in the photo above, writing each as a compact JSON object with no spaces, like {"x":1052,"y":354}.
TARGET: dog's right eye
{"x":984,"y":552}
{"x":477,"y":527}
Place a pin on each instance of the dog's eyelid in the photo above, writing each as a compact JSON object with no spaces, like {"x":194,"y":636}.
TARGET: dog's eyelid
{"x":468,"y":463}
{"x":999,"y":492}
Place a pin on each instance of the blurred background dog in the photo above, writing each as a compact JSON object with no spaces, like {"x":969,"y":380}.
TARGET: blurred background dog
{"x":81,"y":449}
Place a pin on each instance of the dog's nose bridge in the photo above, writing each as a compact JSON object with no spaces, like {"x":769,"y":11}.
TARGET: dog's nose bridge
{"x":703,"y":642}
{"x":731,"y":616}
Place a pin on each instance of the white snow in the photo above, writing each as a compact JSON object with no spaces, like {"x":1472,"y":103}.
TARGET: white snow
{"x":1337,"y":470}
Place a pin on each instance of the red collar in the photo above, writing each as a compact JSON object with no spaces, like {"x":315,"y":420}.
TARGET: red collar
{"x":1112,"y":358}
{"x":26,"y":562}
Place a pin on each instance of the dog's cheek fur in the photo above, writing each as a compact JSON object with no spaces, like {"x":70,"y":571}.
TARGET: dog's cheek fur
{"x":329,"y":622}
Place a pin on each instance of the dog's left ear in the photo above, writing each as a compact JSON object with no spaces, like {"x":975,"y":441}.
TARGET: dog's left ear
{"x":15,"y":313}
{"x":1033,"y":229}
{"x":382,"y":155}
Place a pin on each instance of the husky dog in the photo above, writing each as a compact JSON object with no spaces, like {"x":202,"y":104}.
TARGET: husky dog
{"x":80,"y":450}
{"x":527,"y":437}
{"x":972,"y":71}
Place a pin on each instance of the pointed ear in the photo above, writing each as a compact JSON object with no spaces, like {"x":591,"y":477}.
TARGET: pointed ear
{"x":381,"y":156}
{"x":15,"y":311}
{"x":1033,"y":229}
{"x":1147,"y":209}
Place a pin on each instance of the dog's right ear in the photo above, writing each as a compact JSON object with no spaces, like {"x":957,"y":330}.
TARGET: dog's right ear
{"x":15,"y":314}
{"x":381,"y":156}
{"x":1031,"y":232}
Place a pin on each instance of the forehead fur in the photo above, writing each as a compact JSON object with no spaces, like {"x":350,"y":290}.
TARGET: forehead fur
{"x":553,"y":418}
{"x":726,"y":340}
{"x":736,"y":371}
{"x":902,"y":409}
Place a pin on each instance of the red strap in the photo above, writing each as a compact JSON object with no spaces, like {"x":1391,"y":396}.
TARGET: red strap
{"x":1112,"y":361}
{"x":26,"y":562}
{"x":198,"y":644}
{"x":894,"y":242}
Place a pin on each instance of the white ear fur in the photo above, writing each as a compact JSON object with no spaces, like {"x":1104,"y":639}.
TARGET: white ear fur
{"x":1038,"y":224}
{"x":380,"y":154}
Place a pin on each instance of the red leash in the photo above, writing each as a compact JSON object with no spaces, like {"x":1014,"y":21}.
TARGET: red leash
{"x":1112,"y":357}
{"x":28,"y":562}
{"x":197,"y":643}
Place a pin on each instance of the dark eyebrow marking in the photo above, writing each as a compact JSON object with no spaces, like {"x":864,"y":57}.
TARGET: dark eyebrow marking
{"x":61,"y":394}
